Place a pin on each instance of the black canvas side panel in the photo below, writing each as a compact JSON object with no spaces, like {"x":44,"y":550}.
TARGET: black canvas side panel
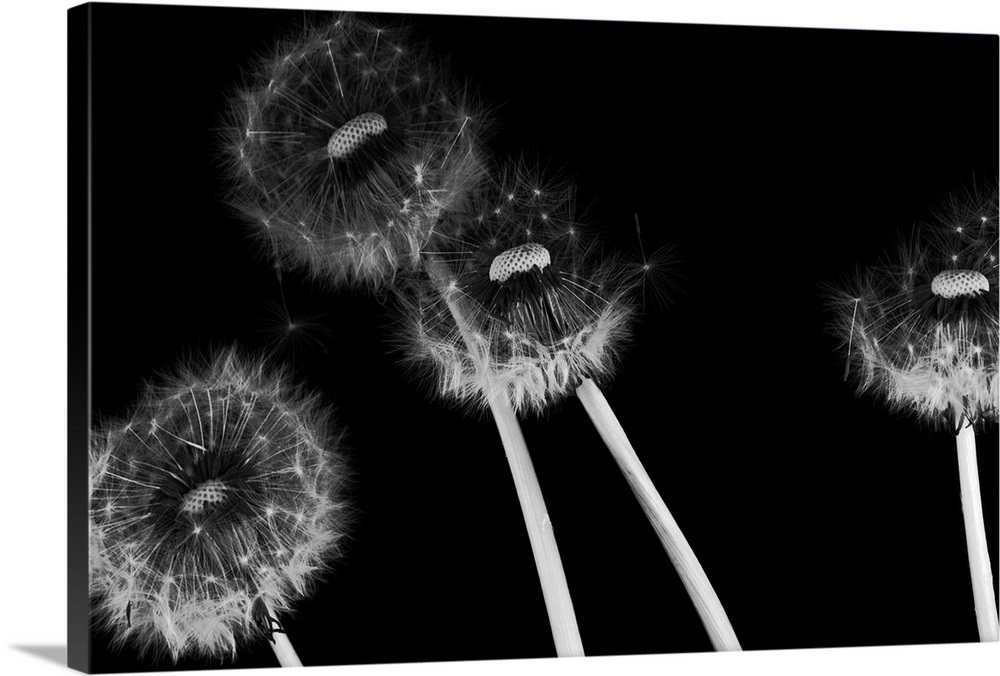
{"x":78,"y":276}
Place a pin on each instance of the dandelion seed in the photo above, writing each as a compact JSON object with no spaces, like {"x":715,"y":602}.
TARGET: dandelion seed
{"x":185,"y":516}
{"x":658,"y":272}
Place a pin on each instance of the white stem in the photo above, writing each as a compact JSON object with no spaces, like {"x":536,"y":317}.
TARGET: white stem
{"x":555,"y":589}
{"x":705,"y":600}
{"x":283,"y":650}
{"x":975,"y":533}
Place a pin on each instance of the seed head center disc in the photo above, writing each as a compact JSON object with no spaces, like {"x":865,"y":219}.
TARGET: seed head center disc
{"x":204,"y":495}
{"x":354,"y":133}
{"x":521,"y":258}
{"x":956,"y":283}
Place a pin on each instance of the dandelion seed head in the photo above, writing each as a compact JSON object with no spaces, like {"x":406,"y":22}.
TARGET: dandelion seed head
{"x":336,"y":130}
{"x":921,"y":327}
{"x":540,"y":311}
{"x":191,"y":519}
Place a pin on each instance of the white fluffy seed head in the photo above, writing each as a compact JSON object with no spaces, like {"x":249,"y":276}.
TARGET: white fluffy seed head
{"x":220,"y":501}
{"x":534,"y":340}
{"x":521,"y":258}
{"x":316,"y":170}
{"x":955,"y":283}
{"x":920,"y":328}
{"x":355,"y":133}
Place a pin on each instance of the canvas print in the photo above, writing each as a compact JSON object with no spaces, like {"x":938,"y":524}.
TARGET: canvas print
{"x":415,"y":338}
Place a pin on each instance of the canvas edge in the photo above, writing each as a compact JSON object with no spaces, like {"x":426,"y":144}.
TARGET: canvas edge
{"x":79,"y":36}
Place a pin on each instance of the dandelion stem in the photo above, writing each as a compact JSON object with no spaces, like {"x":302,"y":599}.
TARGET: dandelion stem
{"x":543,"y":542}
{"x":975,"y":533}
{"x":283,"y":650}
{"x":555,"y":589}
{"x":705,"y":600}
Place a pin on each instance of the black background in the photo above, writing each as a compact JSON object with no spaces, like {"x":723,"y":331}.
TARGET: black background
{"x":775,"y":159}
